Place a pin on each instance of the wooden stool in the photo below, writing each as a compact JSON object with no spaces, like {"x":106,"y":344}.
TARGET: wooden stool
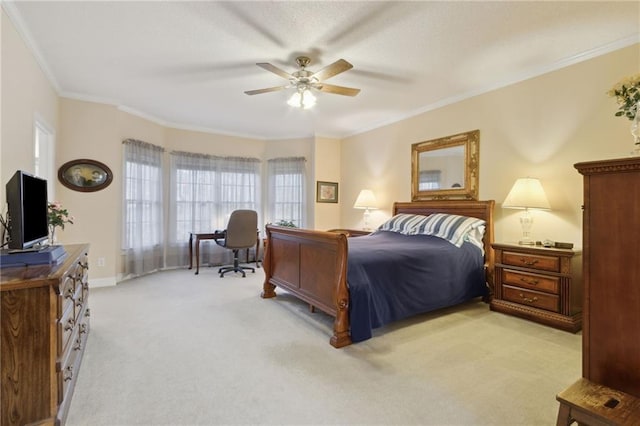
{"x":592,"y":404}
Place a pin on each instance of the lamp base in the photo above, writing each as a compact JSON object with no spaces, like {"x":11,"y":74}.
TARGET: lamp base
{"x":526,"y":221}
{"x":367,"y":214}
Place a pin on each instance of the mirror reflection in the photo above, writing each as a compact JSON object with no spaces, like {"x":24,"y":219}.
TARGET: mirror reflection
{"x":442,"y":168}
{"x":445,"y":168}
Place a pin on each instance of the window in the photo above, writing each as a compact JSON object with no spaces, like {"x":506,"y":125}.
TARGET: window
{"x":239,"y":180}
{"x":193,"y":199}
{"x":205,"y":190}
{"x":143,"y":240}
{"x":286,"y":190}
{"x":143,"y":209}
{"x":429,"y":179}
{"x":44,"y":155}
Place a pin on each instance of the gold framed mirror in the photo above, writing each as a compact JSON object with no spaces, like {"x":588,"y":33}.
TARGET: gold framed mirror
{"x":446,"y":168}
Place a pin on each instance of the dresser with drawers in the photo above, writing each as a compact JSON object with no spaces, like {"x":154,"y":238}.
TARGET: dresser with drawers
{"x":540,"y":284}
{"x":611,"y":233}
{"x":45,"y":324}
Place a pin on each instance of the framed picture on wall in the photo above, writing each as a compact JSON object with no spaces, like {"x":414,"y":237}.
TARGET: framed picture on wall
{"x":326,"y":192}
{"x":85,"y":175}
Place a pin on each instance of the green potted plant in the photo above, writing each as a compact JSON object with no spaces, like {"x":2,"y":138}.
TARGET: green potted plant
{"x":287,"y":223}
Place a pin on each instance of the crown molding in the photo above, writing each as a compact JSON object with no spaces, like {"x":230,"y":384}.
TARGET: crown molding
{"x":16,"y":19}
{"x":534,"y":72}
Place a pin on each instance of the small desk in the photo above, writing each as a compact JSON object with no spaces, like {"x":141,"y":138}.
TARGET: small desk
{"x":214,"y":236}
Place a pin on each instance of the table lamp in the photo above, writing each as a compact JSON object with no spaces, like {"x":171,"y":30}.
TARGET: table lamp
{"x":366,"y":200}
{"x":526,"y":194}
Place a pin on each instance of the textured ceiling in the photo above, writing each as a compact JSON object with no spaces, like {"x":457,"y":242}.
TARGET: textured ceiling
{"x":187,"y":64}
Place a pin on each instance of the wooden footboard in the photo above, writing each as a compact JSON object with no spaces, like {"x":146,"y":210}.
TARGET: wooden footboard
{"x":312,"y":265}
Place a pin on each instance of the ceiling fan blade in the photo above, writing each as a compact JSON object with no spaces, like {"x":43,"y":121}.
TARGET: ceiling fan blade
{"x":338,"y":90}
{"x":267,"y":66}
{"x":332,"y":69}
{"x":270,"y":89}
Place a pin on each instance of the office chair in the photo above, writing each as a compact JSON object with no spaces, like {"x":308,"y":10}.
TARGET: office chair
{"x":240,"y":234}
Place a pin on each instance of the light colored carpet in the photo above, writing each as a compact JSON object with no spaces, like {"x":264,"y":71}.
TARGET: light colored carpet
{"x":174,"y":348}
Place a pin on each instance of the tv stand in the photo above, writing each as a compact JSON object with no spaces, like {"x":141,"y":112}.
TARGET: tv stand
{"x":44,"y":316}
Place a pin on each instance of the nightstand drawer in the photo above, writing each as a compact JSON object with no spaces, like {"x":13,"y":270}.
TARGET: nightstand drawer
{"x":541,"y":284}
{"x":534,"y":261}
{"x":531,"y":281}
{"x":531,"y":298}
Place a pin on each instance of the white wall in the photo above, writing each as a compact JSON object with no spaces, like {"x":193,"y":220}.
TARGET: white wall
{"x":327,"y":169}
{"x":540,"y":127}
{"x":26,"y":93}
{"x":89,"y":130}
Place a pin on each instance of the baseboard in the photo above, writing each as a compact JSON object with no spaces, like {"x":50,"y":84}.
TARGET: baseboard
{"x":102,"y":282}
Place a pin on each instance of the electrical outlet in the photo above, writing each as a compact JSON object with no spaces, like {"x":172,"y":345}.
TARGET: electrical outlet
{"x":101,"y":261}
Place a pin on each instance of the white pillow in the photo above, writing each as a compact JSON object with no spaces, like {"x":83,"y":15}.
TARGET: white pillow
{"x":403,"y":223}
{"x":453,"y":228}
{"x":475,"y":237}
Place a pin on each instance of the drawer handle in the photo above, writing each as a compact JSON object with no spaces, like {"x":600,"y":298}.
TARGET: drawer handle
{"x":528,"y":299}
{"x":69,"y":293}
{"x":70,"y":323}
{"x":78,"y":345}
{"x":68,"y":373}
{"x":87,"y":312}
{"x":80,"y":301}
{"x":528,"y":262}
{"x":531,"y":281}
{"x":83,"y":328}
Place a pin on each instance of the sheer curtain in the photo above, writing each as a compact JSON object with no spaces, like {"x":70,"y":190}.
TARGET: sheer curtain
{"x":286,"y":190}
{"x":143,"y":239}
{"x":204,"y":190}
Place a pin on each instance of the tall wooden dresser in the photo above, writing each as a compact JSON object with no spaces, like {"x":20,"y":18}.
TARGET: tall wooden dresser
{"x":45,"y":323}
{"x":611,"y":240}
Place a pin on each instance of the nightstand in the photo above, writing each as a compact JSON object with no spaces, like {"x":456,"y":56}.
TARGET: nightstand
{"x":540,"y":284}
{"x":351,"y":232}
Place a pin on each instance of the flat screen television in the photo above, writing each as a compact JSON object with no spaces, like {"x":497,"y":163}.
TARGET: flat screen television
{"x":27,"y":210}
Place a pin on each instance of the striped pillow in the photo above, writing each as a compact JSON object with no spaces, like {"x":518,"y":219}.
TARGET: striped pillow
{"x":403,"y":223}
{"x":451,"y":227}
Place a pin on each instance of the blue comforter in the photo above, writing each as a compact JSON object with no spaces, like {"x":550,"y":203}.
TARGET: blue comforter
{"x":392,"y":276}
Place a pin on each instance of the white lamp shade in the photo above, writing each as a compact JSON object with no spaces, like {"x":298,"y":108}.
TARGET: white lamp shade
{"x":365,"y":200}
{"x":302,"y":99}
{"x":527,"y":193}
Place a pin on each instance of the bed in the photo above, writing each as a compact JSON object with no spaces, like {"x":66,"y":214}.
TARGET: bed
{"x":365,"y":282}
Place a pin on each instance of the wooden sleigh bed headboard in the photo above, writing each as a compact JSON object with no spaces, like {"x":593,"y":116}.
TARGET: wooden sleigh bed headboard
{"x":480,"y":209}
{"x":312,"y":265}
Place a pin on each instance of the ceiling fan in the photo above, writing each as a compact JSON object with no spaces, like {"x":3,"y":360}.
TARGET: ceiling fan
{"x":304,"y":80}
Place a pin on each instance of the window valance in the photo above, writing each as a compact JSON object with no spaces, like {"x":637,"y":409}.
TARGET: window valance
{"x":142,"y":144}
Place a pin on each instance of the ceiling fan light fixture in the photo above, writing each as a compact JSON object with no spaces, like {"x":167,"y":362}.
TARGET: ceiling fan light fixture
{"x":304,"y":80}
{"x":302,"y":99}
